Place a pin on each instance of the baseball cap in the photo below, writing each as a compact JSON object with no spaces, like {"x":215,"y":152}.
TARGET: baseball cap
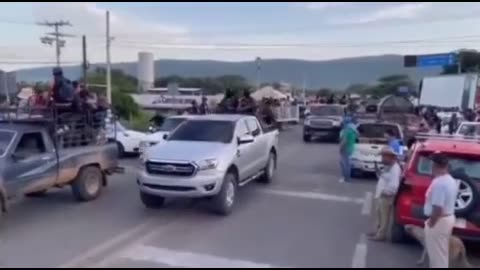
{"x":439,"y":159}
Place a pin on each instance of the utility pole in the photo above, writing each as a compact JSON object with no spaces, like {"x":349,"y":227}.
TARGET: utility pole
{"x":109,"y":78}
{"x":85,"y":63}
{"x":55,"y":37}
{"x":258,"y":62}
{"x":304,"y":86}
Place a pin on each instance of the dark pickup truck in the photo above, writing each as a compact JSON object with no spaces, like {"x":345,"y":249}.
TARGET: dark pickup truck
{"x":35,"y":158}
{"x":323,"y":121}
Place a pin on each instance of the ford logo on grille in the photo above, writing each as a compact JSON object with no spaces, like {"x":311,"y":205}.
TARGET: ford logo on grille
{"x":167,"y":168}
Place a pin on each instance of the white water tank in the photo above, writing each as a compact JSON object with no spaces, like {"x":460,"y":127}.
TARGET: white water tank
{"x":145,"y":71}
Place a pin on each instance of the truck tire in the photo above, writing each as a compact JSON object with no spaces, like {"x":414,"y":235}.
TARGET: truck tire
{"x":37,"y":194}
{"x":88,"y":184}
{"x":468,"y":195}
{"x":269,"y":171}
{"x":120,"y":149}
{"x":151,"y":201}
{"x":307,"y":138}
{"x":396,"y":233}
{"x":222,"y":203}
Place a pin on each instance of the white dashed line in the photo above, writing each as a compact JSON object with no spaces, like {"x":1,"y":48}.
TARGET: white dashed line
{"x":91,"y":254}
{"x":367,"y":204}
{"x":360,"y":254}
{"x":174,"y":258}
{"x":315,"y":196}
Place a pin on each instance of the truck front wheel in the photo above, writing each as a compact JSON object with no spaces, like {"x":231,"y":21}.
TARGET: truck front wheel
{"x":88,"y":184}
{"x":151,"y":201}
{"x":224,"y":201}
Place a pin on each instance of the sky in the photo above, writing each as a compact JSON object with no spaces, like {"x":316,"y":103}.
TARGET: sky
{"x":236,"y":31}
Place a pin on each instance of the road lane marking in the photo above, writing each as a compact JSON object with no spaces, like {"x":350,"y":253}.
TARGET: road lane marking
{"x":360,"y":254}
{"x":315,"y":196}
{"x":367,"y":204}
{"x":175,"y":258}
{"x":111,"y":258}
{"x":94,"y":252}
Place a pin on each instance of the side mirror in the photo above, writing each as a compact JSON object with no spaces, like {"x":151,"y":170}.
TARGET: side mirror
{"x":165,"y":136}
{"x":246,"y":139}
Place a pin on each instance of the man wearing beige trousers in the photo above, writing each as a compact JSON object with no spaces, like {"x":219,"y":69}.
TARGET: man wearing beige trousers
{"x":387,"y":187}
{"x":440,"y":208}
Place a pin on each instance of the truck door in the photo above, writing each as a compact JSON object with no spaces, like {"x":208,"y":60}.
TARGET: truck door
{"x":32,"y":164}
{"x":260,"y":146}
{"x":245,"y":155}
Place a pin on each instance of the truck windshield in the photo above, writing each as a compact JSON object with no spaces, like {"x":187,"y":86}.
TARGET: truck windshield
{"x":5,"y":139}
{"x":327,"y":110}
{"x":170,"y":124}
{"x":376,"y":130}
{"x":469,"y":166}
{"x":204,"y":131}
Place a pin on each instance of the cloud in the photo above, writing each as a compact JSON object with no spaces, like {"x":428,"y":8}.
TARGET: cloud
{"x":90,"y":19}
{"x":396,"y":12}
{"x":325,"y":5}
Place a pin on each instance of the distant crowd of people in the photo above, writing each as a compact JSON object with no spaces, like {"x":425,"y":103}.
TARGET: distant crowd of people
{"x":431,"y":118}
{"x":245,"y":104}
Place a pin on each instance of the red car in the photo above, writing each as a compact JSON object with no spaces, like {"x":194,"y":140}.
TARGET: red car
{"x":464,"y":166}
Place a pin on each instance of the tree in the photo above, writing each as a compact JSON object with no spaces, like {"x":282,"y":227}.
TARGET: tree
{"x":389,"y":85}
{"x":325,"y":92}
{"x":469,"y":60}
{"x":122,"y":85}
{"x":356,"y":88}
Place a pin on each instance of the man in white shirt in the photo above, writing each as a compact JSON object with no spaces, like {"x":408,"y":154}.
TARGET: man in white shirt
{"x":387,"y":187}
{"x":440,"y":208}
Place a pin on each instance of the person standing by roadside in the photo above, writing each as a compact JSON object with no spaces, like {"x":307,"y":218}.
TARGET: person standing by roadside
{"x":387,"y":188}
{"x":440,"y":208}
{"x":348,"y":138}
{"x":203,"y":109}
{"x":194,"y":108}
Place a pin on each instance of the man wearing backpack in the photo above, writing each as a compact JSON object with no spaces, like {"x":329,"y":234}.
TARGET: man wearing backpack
{"x":62,"y":90}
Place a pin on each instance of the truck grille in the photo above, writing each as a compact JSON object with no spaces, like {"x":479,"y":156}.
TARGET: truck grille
{"x":172,"y":169}
{"x":322,"y":123}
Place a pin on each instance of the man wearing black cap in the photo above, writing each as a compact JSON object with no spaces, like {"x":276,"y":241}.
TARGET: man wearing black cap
{"x":440,"y":208}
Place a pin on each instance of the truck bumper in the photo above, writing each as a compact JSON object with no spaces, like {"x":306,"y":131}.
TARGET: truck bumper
{"x":203,"y":184}
{"x":365,"y":166}
{"x":333,"y":132}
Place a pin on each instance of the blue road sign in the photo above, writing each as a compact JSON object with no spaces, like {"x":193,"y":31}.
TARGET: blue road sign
{"x":447,"y":59}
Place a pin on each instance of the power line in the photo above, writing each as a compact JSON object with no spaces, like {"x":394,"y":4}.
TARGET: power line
{"x":431,"y":41}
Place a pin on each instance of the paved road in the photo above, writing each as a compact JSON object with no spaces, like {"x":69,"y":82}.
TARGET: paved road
{"x":305,"y":219}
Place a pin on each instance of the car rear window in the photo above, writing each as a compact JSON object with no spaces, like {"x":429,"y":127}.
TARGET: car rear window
{"x":204,"y":131}
{"x":372,"y":130}
{"x":469,"y":166}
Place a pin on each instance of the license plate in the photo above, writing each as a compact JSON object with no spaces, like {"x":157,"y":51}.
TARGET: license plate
{"x":460,"y":223}
{"x":321,"y":133}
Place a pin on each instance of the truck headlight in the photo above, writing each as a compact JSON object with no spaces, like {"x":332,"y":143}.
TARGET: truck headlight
{"x":307,"y":122}
{"x":336,"y":123}
{"x":207,"y":164}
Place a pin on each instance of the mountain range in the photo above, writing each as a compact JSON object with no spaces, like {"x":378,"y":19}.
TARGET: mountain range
{"x":338,"y":73}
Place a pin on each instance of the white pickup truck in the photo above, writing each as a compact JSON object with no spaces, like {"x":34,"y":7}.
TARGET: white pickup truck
{"x":208,"y":157}
{"x":371,"y":140}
